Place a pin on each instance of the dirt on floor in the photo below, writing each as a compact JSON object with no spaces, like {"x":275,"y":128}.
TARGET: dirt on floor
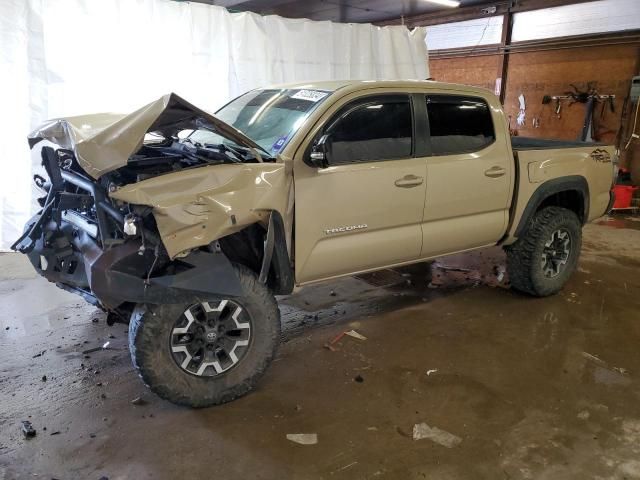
{"x":458,"y":378}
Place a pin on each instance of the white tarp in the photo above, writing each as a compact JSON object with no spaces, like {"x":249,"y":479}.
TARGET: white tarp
{"x":69,"y":57}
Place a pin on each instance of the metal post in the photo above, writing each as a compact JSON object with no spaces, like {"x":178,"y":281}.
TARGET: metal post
{"x":505,"y":42}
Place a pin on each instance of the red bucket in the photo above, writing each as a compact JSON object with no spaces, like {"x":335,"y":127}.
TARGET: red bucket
{"x":624,"y":193}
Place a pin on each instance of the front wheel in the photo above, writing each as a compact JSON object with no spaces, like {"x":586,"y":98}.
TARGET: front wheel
{"x":544,"y":257}
{"x":206,"y":353}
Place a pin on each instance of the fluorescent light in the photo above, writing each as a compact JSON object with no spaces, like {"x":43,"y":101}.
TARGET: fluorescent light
{"x":446,"y":3}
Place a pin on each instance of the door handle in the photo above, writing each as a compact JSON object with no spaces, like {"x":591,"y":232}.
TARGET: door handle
{"x":495,"y":172}
{"x":409,"y":181}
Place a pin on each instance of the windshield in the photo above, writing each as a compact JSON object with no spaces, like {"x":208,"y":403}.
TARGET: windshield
{"x":268,"y":117}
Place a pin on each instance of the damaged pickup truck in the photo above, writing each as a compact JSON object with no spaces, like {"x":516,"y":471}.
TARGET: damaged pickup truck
{"x":185,"y":225}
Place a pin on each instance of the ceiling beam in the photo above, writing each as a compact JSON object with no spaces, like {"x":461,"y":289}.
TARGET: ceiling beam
{"x":476,"y":11}
{"x":228,"y":3}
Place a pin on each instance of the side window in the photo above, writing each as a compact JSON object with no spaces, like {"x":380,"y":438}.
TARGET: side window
{"x":459,"y":124}
{"x":377,"y":128}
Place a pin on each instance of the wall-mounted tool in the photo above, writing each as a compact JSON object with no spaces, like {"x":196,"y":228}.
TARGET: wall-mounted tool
{"x":558,"y":99}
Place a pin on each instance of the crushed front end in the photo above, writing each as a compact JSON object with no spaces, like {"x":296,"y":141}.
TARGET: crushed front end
{"x":110,"y":252}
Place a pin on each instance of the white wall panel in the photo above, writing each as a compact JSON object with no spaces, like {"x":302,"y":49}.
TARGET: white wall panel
{"x":69,"y":57}
{"x":579,"y":19}
{"x":470,"y":33}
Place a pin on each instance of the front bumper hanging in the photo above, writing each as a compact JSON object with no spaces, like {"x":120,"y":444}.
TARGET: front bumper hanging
{"x":82,"y":257}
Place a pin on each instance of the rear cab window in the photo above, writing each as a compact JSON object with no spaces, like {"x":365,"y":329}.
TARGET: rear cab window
{"x":459,"y":124}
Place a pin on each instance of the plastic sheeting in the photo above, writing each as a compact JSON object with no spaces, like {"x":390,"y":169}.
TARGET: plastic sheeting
{"x":71,"y":57}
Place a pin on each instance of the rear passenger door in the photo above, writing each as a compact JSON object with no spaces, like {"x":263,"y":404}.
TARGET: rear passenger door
{"x":468,"y":175}
{"x":363,"y":211}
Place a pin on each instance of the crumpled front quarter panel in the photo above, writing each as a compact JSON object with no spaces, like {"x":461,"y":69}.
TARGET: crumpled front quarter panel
{"x":194,"y":207}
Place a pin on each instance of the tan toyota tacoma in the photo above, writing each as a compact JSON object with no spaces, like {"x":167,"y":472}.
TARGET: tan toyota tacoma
{"x":186,"y":224}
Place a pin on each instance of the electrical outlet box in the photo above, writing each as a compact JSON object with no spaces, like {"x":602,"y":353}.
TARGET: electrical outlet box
{"x":635,"y":89}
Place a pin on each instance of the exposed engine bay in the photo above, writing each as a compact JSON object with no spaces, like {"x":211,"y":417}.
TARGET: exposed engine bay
{"x":167,"y":155}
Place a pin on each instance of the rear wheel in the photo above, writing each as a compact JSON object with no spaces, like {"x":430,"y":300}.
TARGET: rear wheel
{"x":210,"y":352}
{"x":547,"y":252}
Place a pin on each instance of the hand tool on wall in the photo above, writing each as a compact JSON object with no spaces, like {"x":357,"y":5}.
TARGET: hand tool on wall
{"x":549,"y":98}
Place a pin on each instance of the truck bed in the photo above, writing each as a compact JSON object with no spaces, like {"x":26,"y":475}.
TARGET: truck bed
{"x":527,"y":143}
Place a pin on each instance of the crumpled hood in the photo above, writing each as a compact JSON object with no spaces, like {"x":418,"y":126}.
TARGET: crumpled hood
{"x":104,"y":142}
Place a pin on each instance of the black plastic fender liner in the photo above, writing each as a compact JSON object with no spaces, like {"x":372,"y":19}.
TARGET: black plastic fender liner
{"x":200,"y":276}
{"x":267,"y":251}
{"x":612,"y":200}
{"x":281,"y":277}
{"x":551,"y":187}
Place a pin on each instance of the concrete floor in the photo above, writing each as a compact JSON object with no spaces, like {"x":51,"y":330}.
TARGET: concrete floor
{"x":526,"y":388}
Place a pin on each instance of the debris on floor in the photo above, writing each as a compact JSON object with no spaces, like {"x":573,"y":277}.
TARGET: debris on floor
{"x":593,"y":358}
{"x":358,"y":379}
{"x":584,"y":415}
{"x":621,"y":371}
{"x":303,"y":438}
{"x":447,"y":268}
{"x":354,"y":334}
{"x":433,"y":370}
{"x":349,"y":465}
{"x":329,"y":345}
{"x":139,"y":401}
{"x":607,"y":375}
{"x":351,"y":333}
{"x":27,"y":429}
{"x":441,"y":437}
{"x":91,"y":350}
{"x":499,"y":272}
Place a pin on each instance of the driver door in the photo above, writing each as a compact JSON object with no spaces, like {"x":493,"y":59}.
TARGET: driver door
{"x":364,"y":210}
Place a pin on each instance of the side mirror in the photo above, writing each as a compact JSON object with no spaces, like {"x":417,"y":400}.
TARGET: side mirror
{"x":320,"y":156}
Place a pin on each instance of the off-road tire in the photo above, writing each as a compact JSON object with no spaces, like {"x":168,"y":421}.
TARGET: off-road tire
{"x":524,"y":256}
{"x":149,"y":344}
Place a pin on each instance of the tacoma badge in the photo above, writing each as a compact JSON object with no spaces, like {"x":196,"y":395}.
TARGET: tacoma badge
{"x":349,"y":228}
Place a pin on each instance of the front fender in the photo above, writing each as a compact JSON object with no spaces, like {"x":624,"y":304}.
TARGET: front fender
{"x":197,"y":206}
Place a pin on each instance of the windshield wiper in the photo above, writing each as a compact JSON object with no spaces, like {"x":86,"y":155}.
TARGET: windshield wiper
{"x":224,"y":149}
{"x":246,"y":150}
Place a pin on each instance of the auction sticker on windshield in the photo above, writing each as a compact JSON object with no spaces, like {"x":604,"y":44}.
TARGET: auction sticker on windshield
{"x":310,"y":95}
